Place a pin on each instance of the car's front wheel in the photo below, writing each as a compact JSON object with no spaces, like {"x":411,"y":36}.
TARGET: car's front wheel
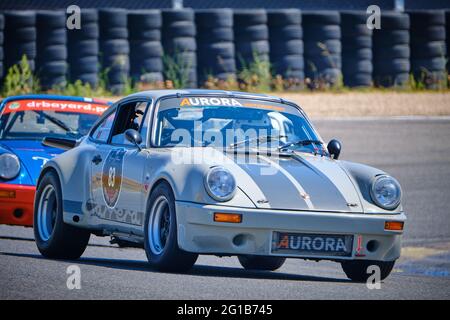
{"x":54,"y":238}
{"x":357,"y":270}
{"x":161,"y":245}
{"x":250,"y":262}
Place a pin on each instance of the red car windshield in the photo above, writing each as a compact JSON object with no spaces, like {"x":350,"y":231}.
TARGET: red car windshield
{"x":38,"y":118}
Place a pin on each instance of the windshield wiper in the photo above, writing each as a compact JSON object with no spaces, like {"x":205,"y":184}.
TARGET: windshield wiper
{"x":299,"y":143}
{"x":266,"y":138}
{"x":58,"y":122}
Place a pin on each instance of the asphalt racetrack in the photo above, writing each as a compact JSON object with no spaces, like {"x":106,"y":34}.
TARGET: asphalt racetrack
{"x":416,"y":151}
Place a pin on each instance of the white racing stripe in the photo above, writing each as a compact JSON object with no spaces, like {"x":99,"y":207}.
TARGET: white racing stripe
{"x":291,"y":179}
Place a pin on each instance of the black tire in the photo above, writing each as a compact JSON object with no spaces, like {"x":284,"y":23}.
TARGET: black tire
{"x":321,"y":17}
{"x":253,"y":33}
{"x":286,"y":47}
{"x":179,"y":29}
{"x":139,"y":20}
{"x":247,"y":17}
{"x":212,"y":35}
{"x":249,"y":262}
{"x":213,"y":18}
{"x":385,"y":38}
{"x":172,"y":15}
{"x":290,"y":32}
{"x":428,"y":49}
{"x":356,"y":270}
{"x":323,"y":32}
{"x":112,"y":18}
{"x":394,"y":20}
{"x":171,"y":257}
{"x":65,"y":241}
{"x":283,"y":17}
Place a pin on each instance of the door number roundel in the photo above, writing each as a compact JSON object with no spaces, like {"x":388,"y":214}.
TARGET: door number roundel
{"x":112,"y":176}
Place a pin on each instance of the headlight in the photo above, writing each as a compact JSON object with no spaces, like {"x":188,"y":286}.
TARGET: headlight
{"x":9,"y":166}
{"x":386,"y":192}
{"x":220,"y":184}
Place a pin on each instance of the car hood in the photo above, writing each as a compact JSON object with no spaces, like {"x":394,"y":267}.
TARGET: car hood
{"x":298,"y":181}
{"x":32,"y":154}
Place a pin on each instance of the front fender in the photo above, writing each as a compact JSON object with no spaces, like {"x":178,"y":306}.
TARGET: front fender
{"x":362,"y":177}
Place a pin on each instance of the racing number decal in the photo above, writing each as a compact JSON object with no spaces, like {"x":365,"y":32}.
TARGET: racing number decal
{"x":112,"y":176}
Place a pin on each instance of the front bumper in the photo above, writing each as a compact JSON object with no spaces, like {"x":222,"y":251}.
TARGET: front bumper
{"x":198,"y":232}
{"x":16,"y":204}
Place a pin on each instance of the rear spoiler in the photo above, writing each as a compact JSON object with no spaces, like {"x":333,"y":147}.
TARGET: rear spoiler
{"x":61,"y":143}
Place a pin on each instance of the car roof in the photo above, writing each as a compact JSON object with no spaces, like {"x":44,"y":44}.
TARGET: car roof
{"x":155,"y":94}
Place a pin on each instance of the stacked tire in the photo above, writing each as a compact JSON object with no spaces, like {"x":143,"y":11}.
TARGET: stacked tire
{"x":251,"y":37}
{"x":322,"y":38}
{"x":20,"y":38}
{"x":215,"y":44}
{"x":286,"y":45}
{"x":146,"y":51}
{"x":428,"y":48}
{"x":391,"y":52}
{"x":114,"y":48}
{"x":51,"y":58}
{"x":356,"y":50}
{"x":2,"y":56}
{"x":83,"y":50}
{"x":180,"y":47}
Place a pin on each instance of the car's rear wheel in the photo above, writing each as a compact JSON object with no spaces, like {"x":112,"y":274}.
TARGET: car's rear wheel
{"x":356,"y":270}
{"x":250,"y":262}
{"x":161,"y":245}
{"x":54,"y":238}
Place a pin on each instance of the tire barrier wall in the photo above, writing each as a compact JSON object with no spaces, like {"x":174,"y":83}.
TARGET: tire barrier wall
{"x":83,"y":49}
{"x":319,"y":46}
{"x":215,"y":45}
{"x":391,"y":53}
{"x":146,"y":52}
{"x":286,"y":45}
{"x":180,"y":46}
{"x":51,"y":43}
{"x":447,"y":38}
{"x":251,"y":37}
{"x":20,"y":38}
{"x":428,"y":48}
{"x":2,"y":37}
{"x":114,"y":48}
{"x":356,"y":50}
{"x":322,"y":37}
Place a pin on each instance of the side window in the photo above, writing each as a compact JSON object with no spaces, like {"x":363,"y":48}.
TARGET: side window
{"x":130,"y":116}
{"x":103,"y":130}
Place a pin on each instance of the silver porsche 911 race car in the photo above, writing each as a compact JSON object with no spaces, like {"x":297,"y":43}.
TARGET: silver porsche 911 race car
{"x":189,"y":172}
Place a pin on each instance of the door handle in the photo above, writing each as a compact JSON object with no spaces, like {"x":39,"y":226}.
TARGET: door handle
{"x":97,"y":159}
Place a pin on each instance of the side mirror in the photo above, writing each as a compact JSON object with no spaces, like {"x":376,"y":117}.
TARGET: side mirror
{"x":334,"y":148}
{"x":134,"y":137}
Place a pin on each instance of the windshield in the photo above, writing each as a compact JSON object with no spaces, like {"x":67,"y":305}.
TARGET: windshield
{"x":232,"y":123}
{"x":36,"y":119}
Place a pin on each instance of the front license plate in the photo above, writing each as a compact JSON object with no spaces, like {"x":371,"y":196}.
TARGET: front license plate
{"x":307,"y":244}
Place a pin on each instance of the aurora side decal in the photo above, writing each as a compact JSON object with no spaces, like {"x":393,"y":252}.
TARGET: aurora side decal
{"x":114,"y":214}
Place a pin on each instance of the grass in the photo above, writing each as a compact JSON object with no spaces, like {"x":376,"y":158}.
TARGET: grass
{"x":256,"y":76}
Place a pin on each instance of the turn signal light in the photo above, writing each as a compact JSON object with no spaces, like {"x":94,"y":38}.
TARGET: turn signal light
{"x":227,"y":217}
{"x":7,"y":194}
{"x":394,"y":225}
